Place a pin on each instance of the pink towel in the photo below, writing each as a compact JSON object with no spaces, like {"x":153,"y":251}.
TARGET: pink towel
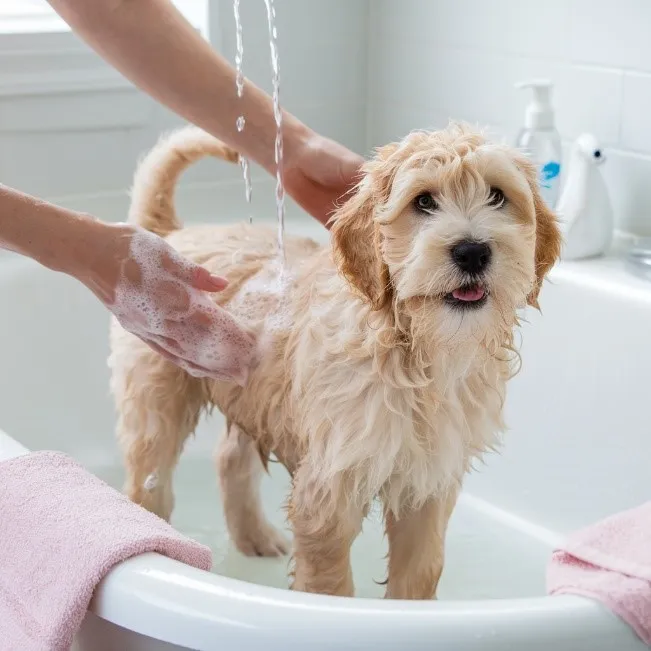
{"x":61,"y":531}
{"x":610,"y":562}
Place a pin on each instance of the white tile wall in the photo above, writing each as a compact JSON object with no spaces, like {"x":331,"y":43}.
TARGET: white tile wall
{"x":367,"y":71}
{"x":430,"y":60}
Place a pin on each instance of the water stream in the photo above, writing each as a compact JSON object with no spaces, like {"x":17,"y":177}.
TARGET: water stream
{"x":241,"y":121}
{"x":275,"y":67}
{"x":277,"y":283}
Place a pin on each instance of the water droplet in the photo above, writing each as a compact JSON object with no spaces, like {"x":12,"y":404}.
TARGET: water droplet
{"x":240,"y":123}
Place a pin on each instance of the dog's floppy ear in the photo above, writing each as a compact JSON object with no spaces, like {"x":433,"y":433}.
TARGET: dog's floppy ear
{"x":356,"y":237}
{"x":548,"y":238}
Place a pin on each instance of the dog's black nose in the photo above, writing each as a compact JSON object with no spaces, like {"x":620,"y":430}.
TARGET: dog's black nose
{"x":471,"y":257}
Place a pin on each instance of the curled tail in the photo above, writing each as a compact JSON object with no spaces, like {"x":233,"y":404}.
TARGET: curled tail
{"x":154,"y":183}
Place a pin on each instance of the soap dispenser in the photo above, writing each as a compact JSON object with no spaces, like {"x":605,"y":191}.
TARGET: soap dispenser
{"x":540,"y":140}
{"x":584,"y":209}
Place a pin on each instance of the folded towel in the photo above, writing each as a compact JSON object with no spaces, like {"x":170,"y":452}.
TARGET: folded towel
{"x":610,"y":562}
{"x":61,"y":530}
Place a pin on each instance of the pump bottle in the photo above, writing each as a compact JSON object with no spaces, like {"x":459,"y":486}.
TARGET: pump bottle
{"x":540,"y":140}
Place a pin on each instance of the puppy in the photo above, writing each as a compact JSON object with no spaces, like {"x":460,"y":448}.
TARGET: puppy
{"x":384,"y":355}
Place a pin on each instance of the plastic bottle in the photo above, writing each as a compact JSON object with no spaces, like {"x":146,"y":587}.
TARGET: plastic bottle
{"x":540,"y":139}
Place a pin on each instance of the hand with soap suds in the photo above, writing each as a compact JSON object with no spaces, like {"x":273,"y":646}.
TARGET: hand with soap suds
{"x":153,"y":291}
{"x":161,"y":297}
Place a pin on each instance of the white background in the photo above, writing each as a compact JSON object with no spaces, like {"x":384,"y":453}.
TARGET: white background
{"x":361,"y":71}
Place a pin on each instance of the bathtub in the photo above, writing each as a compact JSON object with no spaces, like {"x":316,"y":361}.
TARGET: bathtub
{"x":576,"y":450}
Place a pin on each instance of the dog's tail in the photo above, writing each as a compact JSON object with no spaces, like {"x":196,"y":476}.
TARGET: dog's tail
{"x":154,"y":183}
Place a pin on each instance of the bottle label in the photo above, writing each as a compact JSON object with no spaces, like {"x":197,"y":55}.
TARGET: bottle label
{"x":548,"y":181}
{"x":549,"y":173}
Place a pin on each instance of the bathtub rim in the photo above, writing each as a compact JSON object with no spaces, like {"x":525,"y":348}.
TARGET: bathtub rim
{"x":167,"y":600}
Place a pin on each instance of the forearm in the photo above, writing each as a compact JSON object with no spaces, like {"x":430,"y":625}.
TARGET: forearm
{"x":51,"y":235}
{"x":171,"y":62}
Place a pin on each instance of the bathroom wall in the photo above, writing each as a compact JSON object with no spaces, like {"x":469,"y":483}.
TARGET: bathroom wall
{"x":436,"y":59}
{"x":361,"y":71}
{"x":72,"y":130}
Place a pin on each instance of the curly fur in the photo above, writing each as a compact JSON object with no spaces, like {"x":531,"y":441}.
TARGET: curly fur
{"x":369,"y":385}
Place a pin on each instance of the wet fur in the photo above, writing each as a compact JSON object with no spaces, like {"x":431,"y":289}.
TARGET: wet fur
{"x":373,"y":387}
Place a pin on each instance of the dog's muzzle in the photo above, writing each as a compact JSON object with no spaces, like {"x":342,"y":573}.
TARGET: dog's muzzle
{"x":472,"y":258}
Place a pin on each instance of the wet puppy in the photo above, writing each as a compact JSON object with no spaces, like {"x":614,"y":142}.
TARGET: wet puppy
{"x":384,"y":356}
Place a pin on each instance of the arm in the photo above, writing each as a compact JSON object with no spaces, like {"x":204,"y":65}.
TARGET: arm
{"x":53,"y":236}
{"x":182,"y":327}
{"x":151,"y":43}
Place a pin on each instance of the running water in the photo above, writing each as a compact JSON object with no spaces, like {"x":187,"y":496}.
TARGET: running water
{"x":265,"y":297}
{"x":280,"y":188}
{"x":239,"y":83}
{"x":239,"y":56}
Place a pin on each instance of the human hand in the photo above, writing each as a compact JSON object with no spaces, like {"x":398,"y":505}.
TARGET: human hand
{"x":159,"y":296}
{"x":318,"y":171}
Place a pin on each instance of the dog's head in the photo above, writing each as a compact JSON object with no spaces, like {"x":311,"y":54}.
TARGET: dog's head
{"x":449,"y":221}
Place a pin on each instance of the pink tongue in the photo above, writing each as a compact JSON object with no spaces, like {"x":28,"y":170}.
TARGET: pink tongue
{"x":469,"y":294}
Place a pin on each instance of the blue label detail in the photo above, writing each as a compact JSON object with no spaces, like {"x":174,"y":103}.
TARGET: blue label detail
{"x":549,"y":172}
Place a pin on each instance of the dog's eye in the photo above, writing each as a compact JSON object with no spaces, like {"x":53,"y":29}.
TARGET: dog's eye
{"x":426,"y":203}
{"x":496,"y":198}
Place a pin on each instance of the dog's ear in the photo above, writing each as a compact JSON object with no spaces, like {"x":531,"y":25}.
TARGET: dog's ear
{"x":356,"y":237}
{"x":548,"y":238}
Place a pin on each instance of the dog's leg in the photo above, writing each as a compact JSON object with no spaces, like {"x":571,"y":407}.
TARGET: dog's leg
{"x":416,"y":549}
{"x":158,"y":407}
{"x":240,"y":468}
{"x":322,"y":545}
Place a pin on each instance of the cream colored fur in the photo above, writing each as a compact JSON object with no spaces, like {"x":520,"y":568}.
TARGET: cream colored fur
{"x":370,"y":384}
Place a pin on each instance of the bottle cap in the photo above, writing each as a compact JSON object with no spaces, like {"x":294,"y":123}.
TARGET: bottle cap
{"x":539,"y":113}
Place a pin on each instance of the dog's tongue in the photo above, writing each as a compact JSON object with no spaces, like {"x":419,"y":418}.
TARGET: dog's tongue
{"x":469,"y":293}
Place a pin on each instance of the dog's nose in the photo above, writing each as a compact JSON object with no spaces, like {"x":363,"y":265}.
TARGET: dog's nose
{"x":471,"y":257}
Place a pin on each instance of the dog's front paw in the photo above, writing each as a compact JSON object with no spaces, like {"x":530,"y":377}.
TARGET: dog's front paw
{"x":262,"y":540}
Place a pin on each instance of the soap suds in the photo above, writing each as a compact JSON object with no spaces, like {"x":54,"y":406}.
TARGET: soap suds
{"x":264,"y":300}
{"x":151,"y":482}
{"x":154,"y":300}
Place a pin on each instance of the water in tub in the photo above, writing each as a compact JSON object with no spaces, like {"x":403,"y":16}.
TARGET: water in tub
{"x":485,"y":558}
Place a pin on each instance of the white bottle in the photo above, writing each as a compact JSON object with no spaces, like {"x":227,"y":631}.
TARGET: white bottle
{"x":584,"y":207}
{"x":540,"y":139}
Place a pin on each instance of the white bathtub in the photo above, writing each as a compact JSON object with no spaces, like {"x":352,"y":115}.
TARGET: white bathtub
{"x":577,"y":450}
